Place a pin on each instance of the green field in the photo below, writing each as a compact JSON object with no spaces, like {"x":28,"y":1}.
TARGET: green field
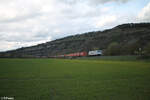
{"x":59,"y":79}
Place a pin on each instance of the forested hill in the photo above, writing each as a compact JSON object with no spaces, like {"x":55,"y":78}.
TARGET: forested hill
{"x":127,"y":36}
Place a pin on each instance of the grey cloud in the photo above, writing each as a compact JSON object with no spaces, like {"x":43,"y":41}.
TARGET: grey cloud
{"x":20,"y":18}
{"x":105,"y":1}
{"x":92,"y":1}
{"x":70,"y":1}
{"x":144,"y":15}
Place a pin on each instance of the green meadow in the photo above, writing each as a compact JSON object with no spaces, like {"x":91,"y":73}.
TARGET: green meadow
{"x":64,"y":79}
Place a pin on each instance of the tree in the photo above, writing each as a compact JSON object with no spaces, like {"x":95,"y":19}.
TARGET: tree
{"x":113,"y":49}
{"x":145,"y":52}
{"x":147,"y":49}
{"x":133,"y":48}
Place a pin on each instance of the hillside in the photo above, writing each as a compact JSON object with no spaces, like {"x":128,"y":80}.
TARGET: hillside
{"x":126,"y":34}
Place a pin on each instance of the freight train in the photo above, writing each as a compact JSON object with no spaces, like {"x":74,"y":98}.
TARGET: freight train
{"x":80,"y":54}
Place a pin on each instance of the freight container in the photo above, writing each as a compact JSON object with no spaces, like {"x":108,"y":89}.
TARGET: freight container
{"x":83,"y":53}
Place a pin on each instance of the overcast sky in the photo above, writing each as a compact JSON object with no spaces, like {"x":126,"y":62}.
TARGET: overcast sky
{"x":29,"y":22}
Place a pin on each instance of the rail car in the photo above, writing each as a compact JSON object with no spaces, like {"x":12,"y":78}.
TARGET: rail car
{"x":78,"y":54}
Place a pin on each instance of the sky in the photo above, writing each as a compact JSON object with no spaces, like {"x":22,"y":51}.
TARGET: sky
{"x":29,"y":22}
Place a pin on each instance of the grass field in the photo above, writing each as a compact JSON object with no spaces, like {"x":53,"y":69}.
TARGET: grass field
{"x":112,"y":58}
{"x":59,"y":79}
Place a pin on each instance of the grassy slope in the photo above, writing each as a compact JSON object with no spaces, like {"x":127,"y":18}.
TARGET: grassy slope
{"x":45,"y":79}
